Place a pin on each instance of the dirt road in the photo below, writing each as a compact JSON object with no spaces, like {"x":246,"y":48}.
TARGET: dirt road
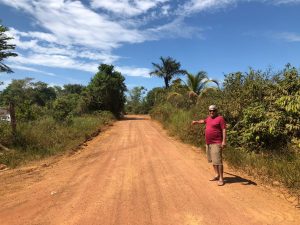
{"x":134,"y":174}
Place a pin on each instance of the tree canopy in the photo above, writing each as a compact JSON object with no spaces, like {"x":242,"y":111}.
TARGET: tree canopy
{"x":198,"y":83}
{"x":107,"y":90}
{"x":167,"y":70}
{"x":5,"y":49}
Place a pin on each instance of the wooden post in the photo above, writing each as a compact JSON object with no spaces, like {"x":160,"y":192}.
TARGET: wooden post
{"x":13,"y":122}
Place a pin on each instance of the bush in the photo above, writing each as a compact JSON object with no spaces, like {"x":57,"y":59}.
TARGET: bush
{"x":5,"y":133}
{"x":40,"y":138}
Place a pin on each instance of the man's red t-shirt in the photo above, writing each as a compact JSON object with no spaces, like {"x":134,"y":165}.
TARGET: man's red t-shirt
{"x":213,"y":129}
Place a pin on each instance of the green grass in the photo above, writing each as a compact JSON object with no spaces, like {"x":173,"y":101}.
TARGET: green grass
{"x":46,"y":137}
{"x":284,"y":168}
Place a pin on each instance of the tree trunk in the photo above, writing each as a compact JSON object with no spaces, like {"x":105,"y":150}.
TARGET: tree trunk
{"x":166,"y":82}
{"x":13,"y":122}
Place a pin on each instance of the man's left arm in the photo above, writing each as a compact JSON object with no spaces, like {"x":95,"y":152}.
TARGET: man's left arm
{"x":224,"y":137}
{"x":223,"y":127}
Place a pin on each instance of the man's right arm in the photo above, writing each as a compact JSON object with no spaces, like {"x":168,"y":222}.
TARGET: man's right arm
{"x":197,"y":122}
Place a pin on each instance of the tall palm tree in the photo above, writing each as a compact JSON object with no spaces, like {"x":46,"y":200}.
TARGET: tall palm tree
{"x":5,"y":49}
{"x":167,"y":69}
{"x":198,"y":83}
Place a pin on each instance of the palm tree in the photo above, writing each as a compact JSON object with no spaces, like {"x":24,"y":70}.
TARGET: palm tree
{"x":5,"y":48}
{"x":197,"y":83}
{"x":167,"y":69}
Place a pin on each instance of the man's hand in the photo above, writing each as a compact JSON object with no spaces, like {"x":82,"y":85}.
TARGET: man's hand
{"x":194,"y":122}
{"x":223,"y":144}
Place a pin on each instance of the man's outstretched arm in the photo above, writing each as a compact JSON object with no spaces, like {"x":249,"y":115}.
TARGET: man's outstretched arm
{"x":197,"y":122}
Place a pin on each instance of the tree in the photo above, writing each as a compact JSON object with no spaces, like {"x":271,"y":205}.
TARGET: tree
{"x":15,"y":94}
{"x":198,"y":83}
{"x":106,"y":90}
{"x":73,"y":89}
{"x":5,"y":48}
{"x":167,"y":70}
{"x":135,"y":101}
{"x":65,"y":107}
{"x":155,"y":96}
{"x":41,"y":93}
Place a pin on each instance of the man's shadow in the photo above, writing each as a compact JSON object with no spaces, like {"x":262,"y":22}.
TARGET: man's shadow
{"x":237,"y":179}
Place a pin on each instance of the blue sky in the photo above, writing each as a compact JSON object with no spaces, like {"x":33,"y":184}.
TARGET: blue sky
{"x":63,"y":41}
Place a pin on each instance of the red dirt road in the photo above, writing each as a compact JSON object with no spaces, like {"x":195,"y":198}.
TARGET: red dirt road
{"x":134,"y":174}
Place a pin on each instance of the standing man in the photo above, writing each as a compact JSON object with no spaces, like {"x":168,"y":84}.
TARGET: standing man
{"x":215,"y":137}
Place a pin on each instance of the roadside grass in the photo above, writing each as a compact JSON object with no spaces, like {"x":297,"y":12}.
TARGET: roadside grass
{"x":45,"y":137}
{"x":283,"y":167}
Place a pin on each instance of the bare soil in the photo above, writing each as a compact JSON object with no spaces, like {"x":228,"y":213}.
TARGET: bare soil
{"x":135,"y":174}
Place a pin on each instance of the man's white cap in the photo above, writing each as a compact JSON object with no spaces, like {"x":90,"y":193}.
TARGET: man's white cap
{"x":212,"y":107}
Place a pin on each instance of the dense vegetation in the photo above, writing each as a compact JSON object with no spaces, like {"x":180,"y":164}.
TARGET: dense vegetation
{"x":48,"y":119}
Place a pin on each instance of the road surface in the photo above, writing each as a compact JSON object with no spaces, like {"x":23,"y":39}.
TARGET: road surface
{"x":135,"y":174}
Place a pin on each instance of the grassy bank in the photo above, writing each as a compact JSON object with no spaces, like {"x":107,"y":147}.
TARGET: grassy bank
{"x":46,"y":137}
{"x":283,"y":167}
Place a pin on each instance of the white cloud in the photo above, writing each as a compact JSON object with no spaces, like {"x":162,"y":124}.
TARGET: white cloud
{"x":176,"y":28}
{"x":133,"y":71}
{"x":165,"y":9}
{"x":38,"y":35}
{"x":280,"y":2}
{"x":79,"y":38}
{"x":71,"y":23}
{"x":194,"y":6}
{"x":20,"y":67}
{"x":19,"y":4}
{"x":288,"y":36}
{"x":57,"y":61}
{"x":36,"y":46}
{"x":127,"y":7}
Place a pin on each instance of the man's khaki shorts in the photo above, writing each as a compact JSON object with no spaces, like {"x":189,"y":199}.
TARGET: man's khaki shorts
{"x":214,"y":154}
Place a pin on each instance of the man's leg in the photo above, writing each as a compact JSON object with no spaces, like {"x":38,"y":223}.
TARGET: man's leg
{"x":217,"y":172}
{"x":209,"y":159}
{"x":220,"y":172}
{"x":216,"y":154}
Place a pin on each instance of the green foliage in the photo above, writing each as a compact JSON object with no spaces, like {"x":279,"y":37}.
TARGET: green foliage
{"x":156,"y":96}
{"x":17,"y":91}
{"x":241,"y":90}
{"x":73,"y":89}
{"x":5,"y":133}
{"x":197,"y":83}
{"x":106,"y":90}
{"x":44,"y":137}
{"x":65,"y":107}
{"x":260,"y":129}
{"x":5,"y":49}
{"x":41,"y":93}
{"x":28,"y":97}
{"x":167,"y":70}
{"x":263,"y":112}
{"x":136,"y":103}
